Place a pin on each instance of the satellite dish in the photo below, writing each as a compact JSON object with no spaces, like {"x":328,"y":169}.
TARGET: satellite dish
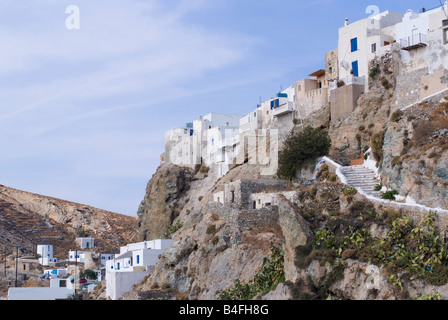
{"x":344,"y":64}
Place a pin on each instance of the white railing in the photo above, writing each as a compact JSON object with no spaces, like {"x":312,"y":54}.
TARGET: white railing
{"x":284,"y":108}
{"x":416,"y":40}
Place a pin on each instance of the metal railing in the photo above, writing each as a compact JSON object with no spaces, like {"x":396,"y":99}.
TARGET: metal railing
{"x":414,"y":41}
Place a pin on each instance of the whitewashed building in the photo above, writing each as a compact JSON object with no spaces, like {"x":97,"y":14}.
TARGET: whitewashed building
{"x":362,"y":41}
{"x":76,"y":256}
{"x":210,"y":140}
{"x":134,"y":262}
{"x":45,"y":250}
{"x":86,"y":242}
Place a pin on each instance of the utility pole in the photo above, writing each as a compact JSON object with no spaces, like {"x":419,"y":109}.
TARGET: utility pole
{"x":17,"y":260}
{"x":76,"y":269}
{"x":4,"y":247}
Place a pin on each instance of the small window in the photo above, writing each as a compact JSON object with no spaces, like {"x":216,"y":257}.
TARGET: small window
{"x":445,"y":36}
{"x":373,"y":47}
{"x":354,"y":44}
{"x":445,"y":23}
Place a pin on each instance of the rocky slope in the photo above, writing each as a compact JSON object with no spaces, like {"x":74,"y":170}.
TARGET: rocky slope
{"x":329,"y":243}
{"x":27,"y":218}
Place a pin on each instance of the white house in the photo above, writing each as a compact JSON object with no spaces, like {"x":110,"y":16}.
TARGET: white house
{"x":45,"y":250}
{"x":86,"y":242}
{"x":134,"y":262}
{"x":40,"y":293}
{"x":106,"y":257}
{"x":210,"y":140}
{"x":423,"y":44}
{"x":361,"y":41}
{"x":76,"y":255}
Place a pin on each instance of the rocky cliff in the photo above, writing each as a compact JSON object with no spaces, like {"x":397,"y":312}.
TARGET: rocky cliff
{"x":27,"y":218}
{"x":330,"y":242}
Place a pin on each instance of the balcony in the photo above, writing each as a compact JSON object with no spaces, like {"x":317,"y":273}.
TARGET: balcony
{"x":413,"y":42}
{"x":282,"y":109}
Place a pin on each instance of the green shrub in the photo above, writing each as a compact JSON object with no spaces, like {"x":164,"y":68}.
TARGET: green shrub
{"x":373,"y":71}
{"x":349,"y":191}
{"x":377,"y":142}
{"x":270,"y":274}
{"x":396,"y":116}
{"x":390,"y":195}
{"x":173,"y":228}
{"x":300,"y":147}
{"x":396,"y":161}
{"x":211,"y":229}
{"x":379,"y":187}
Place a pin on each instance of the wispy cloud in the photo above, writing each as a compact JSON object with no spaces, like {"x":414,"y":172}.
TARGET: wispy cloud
{"x":73,"y":104}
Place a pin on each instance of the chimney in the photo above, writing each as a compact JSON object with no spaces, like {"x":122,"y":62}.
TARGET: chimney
{"x":346,"y":22}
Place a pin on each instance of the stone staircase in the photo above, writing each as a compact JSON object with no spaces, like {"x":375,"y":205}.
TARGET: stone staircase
{"x":362,"y":178}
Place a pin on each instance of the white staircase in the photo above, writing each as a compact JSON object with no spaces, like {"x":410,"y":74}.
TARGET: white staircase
{"x":362,"y":178}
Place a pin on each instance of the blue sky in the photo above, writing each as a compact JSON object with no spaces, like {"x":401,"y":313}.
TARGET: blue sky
{"x":83,"y":112}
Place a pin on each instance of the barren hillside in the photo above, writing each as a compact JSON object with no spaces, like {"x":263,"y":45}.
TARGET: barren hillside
{"x":27,"y":218}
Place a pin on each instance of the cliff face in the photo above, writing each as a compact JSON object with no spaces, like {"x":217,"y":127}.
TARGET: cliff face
{"x":334,"y":243}
{"x":415,"y":153}
{"x":28,"y":218}
{"x":162,"y":201}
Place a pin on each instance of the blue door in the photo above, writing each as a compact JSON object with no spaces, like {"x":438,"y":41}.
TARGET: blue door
{"x":355,"y":68}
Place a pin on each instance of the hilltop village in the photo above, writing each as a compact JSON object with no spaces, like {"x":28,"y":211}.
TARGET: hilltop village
{"x":215,"y":215}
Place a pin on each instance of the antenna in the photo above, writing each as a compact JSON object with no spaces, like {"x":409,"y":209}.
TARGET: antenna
{"x":443,"y":8}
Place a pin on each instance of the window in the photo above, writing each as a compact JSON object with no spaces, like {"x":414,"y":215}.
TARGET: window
{"x":445,"y":36}
{"x":138,"y":259}
{"x":373,"y":47}
{"x":445,"y":23}
{"x":354,"y":44}
{"x":355,"y":68}
{"x":232,"y":193}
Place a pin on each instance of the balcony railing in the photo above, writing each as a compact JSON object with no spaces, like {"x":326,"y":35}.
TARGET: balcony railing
{"x":283,"y":109}
{"x":413,"y":42}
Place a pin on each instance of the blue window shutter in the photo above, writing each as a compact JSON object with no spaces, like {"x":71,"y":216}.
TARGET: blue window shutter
{"x":354,"y":43}
{"x":272,"y":104}
{"x":355,"y":68}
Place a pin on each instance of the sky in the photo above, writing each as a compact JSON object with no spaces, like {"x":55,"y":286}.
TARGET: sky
{"x":86,"y":96}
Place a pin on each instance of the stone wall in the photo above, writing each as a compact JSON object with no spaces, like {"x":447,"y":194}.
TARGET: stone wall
{"x":238,"y":193}
{"x":344,"y":100}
